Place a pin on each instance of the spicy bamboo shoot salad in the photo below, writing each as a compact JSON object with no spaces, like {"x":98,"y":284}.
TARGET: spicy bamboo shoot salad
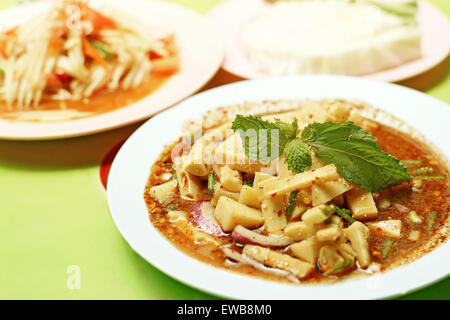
{"x":74,"y":53}
{"x":314,"y":191}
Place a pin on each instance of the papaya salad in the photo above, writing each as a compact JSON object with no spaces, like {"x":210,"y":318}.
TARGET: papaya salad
{"x":75,"y":61}
{"x":319,"y":193}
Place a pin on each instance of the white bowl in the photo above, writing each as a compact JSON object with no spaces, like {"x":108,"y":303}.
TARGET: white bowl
{"x":131,"y":169}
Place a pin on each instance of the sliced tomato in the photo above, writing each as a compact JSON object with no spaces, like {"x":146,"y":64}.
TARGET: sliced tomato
{"x":53,"y":83}
{"x":63,"y":76}
{"x":98,"y":20}
{"x":4,"y":38}
{"x":153,"y":55}
{"x":3,"y":52}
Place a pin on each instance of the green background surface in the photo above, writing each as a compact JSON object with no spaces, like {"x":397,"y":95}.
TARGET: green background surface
{"x":54,"y":214}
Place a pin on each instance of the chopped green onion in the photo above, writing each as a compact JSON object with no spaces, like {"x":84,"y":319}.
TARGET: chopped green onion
{"x":339,"y":267}
{"x":102,"y":49}
{"x":157,"y":216}
{"x":431,"y":221}
{"x":387,"y":248}
{"x":174,"y":176}
{"x":329,"y":210}
{"x":430,"y":178}
{"x":170,"y":207}
{"x":343,"y":213}
{"x":414,"y":217}
{"x":411,"y":163}
{"x":2,"y":72}
{"x":423,"y":170}
{"x":211,"y":182}
{"x":249,"y":183}
{"x":291,"y":205}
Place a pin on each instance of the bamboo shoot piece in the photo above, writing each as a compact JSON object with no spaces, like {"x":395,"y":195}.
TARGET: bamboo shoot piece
{"x":387,"y":228}
{"x":358,"y":234}
{"x":273,"y":211}
{"x":361,"y":204}
{"x":306,"y":250}
{"x":315,"y":215}
{"x":329,"y":233}
{"x":250,"y":196}
{"x":164,"y":191}
{"x":279,"y":260}
{"x":219,"y":191}
{"x":328,"y":190}
{"x":230,"y":179}
{"x":299,"y":230}
{"x":189,"y":184}
{"x":230,"y":213}
{"x":302,"y":180}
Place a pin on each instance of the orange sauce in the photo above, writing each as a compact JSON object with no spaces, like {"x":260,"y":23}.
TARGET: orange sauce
{"x":102,"y":101}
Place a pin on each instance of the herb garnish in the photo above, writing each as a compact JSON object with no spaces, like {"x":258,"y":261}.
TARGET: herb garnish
{"x":211,"y":182}
{"x":357,"y":156}
{"x":292,"y":199}
{"x":338,"y":267}
{"x":343,"y":213}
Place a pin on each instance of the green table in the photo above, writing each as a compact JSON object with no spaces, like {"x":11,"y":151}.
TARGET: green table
{"x":54,"y":215}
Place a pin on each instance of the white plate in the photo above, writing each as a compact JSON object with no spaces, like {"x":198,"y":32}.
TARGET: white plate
{"x":131,"y":168}
{"x":231,"y":15}
{"x":201,"y":54}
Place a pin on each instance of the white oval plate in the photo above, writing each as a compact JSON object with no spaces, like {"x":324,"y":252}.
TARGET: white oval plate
{"x":231,"y":15}
{"x":201,"y":54}
{"x":131,"y":169}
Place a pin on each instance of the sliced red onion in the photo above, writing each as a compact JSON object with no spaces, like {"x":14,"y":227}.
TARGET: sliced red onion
{"x":243,"y":235}
{"x":400,"y":207}
{"x":203,"y":218}
{"x":243,"y":259}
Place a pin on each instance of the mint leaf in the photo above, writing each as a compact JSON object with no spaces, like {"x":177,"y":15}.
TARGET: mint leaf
{"x":289,"y":130}
{"x":262,"y":140}
{"x":357,"y":156}
{"x":297,"y":156}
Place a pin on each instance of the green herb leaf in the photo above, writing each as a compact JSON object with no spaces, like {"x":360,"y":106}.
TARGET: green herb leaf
{"x":292,"y":199}
{"x":289,"y":130}
{"x":431,"y":221}
{"x":249,"y":183}
{"x":387,"y":248}
{"x":339,"y":267}
{"x":343,"y":213}
{"x":262,"y":140}
{"x":211,"y":182}
{"x":411,"y":162}
{"x":357,"y":156}
{"x":297,"y":156}
{"x":430,"y":178}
